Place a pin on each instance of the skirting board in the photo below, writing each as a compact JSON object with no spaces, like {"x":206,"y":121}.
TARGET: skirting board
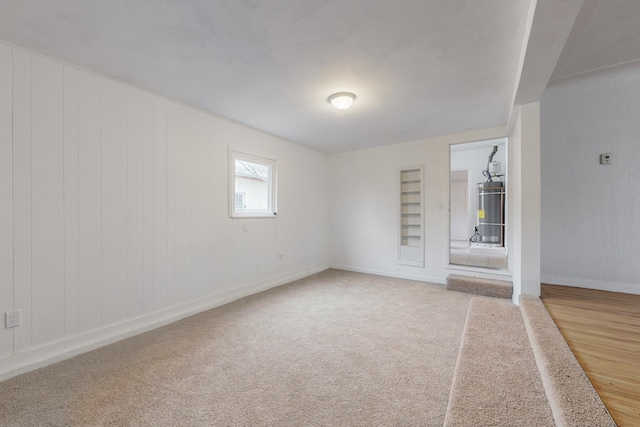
{"x":437,"y":280}
{"x":600,"y":285}
{"x":48,"y":354}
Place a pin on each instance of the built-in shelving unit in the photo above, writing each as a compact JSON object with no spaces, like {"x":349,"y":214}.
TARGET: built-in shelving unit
{"x":411,"y":248}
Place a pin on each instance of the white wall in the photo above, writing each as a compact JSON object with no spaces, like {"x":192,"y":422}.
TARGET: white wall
{"x":524,"y":203}
{"x":113,"y":210}
{"x":364,"y":199}
{"x":514,"y":190}
{"x":459,"y":209}
{"x":591,"y":212}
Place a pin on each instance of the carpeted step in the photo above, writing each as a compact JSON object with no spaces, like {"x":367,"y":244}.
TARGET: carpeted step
{"x":572,"y":398}
{"x":479,"y":286}
{"x":496,"y":381}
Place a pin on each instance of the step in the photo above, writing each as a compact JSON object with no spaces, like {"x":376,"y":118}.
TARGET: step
{"x":496,"y":380}
{"x":573,"y":400}
{"x":480,"y":286}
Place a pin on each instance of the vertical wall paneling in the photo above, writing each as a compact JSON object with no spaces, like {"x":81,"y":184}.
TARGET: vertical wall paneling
{"x":204,"y":235}
{"x":135,"y":203}
{"x":210,"y":200}
{"x":159,"y":203}
{"x":47,"y":211}
{"x":147,"y":123}
{"x":89,"y":201}
{"x":114,"y":202}
{"x":219,"y":208}
{"x":6,"y":203}
{"x":193,"y":158}
{"x":113,"y":210}
{"x":70,"y":128}
{"x":22,"y":196}
{"x":171,"y":202}
{"x":183,"y":205}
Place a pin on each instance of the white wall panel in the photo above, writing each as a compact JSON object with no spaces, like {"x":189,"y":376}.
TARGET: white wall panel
{"x":218,"y":178}
{"x":195,"y":201}
{"x":172,"y":140}
{"x":159,"y":203}
{"x":135,"y":203}
{"x":204,"y":214}
{"x":148,"y":250}
{"x":114,"y":202}
{"x":90,"y":201}
{"x":22,"y":196}
{"x":6,"y":202}
{"x":183,"y":204}
{"x":71,"y":183}
{"x":47,"y":208}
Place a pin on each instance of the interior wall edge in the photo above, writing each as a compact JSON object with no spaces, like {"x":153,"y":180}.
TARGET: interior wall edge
{"x":39,"y":357}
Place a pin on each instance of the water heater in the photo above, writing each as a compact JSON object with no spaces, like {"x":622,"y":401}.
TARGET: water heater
{"x":490,"y":202}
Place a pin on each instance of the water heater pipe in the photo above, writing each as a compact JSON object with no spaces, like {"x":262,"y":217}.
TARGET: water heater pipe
{"x":493,"y":153}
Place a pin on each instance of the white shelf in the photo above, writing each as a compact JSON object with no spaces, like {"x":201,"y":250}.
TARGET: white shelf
{"x":411,"y":230}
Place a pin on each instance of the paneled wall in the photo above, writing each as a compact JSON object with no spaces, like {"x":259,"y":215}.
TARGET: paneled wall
{"x":113,"y":208}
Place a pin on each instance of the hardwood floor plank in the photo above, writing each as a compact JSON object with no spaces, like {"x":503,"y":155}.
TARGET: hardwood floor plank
{"x":603,"y":331}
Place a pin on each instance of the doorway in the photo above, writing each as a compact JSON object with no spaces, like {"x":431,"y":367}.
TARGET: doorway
{"x":477,"y":201}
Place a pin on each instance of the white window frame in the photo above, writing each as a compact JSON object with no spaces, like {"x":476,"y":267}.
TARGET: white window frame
{"x":271,"y":210}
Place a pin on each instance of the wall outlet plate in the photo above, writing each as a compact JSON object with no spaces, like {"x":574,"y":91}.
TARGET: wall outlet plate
{"x":12,"y":319}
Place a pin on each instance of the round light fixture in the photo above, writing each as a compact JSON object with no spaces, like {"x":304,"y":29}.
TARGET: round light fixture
{"x":342,"y":100}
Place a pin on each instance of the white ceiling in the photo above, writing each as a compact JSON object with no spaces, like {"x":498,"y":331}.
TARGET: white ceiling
{"x":419,"y":68}
{"x":605,"y":33}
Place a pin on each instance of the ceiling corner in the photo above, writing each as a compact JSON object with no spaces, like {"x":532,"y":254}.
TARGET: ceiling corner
{"x":551,"y":26}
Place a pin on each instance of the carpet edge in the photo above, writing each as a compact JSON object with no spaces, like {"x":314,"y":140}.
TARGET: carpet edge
{"x":550,"y":359}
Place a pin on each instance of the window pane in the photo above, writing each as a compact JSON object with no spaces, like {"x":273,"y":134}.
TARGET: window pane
{"x":239,"y":200}
{"x":252,"y":186}
{"x":253,"y":181}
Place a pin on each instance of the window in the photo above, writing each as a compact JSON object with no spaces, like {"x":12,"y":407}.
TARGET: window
{"x":240,"y":201}
{"x":252,"y":186}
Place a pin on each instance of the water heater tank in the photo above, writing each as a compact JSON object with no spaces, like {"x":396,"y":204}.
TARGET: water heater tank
{"x":490,"y":197}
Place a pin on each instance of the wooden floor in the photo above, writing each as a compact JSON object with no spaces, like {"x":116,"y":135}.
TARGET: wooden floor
{"x":603,"y":331}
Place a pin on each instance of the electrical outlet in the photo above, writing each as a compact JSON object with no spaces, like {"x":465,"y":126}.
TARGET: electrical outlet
{"x":12,"y":319}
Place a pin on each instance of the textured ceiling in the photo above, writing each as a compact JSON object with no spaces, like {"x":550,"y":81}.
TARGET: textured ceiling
{"x":419,"y":69}
{"x":605,"y":33}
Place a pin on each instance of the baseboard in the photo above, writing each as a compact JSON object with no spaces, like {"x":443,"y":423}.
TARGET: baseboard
{"x":68,"y":347}
{"x":600,"y":285}
{"x":438,"y":280}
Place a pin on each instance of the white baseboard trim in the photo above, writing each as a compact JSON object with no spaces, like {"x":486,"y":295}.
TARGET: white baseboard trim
{"x":436,"y":280}
{"x":601,"y":285}
{"x":48,"y":354}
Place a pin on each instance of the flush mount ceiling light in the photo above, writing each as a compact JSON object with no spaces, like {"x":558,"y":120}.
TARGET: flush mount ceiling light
{"x":342,"y":100}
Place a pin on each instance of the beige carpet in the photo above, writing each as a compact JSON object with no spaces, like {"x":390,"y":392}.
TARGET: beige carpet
{"x":573,"y":399}
{"x":335,"y":349}
{"x":479,"y":286}
{"x":497,"y":381}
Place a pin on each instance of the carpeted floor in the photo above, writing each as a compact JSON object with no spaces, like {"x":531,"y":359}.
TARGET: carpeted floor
{"x":334,"y":349}
{"x":497,"y":381}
